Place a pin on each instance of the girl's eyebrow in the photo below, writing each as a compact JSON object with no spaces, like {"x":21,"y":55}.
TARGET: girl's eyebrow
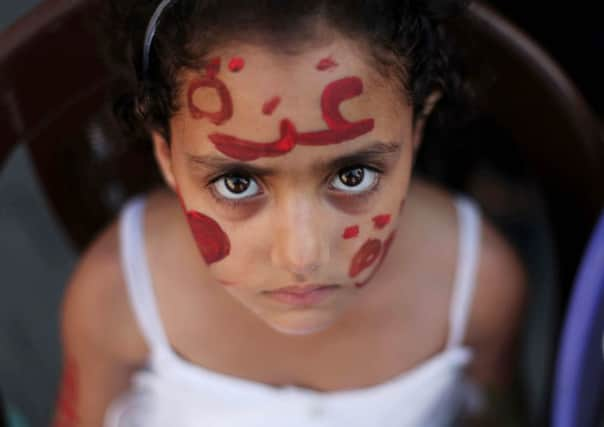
{"x":377,"y":150}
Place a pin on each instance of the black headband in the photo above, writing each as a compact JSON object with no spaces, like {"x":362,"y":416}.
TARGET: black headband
{"x":150,"y":35}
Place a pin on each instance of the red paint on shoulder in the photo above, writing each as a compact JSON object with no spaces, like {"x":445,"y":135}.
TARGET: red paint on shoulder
{"x":326,"y":64}
{"x":365,"y":257}
{"x":212,"y":241}
{"x":381,"y":221}
{"x":339,"y":129}
{"x":351,"y":232}
{"x":271,"y":105}
{"x":246,"y":150}
{"x":226,"y":109}
{"x":67,"y":415}
{"x":237,"y":64}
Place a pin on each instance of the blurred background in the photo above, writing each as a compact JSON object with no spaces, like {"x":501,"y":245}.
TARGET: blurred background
{"x":37,"y":256}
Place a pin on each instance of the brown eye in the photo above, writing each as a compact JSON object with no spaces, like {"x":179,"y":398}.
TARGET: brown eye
{"x":237,"y":184}
{"x":357,"y":179}
{"x":352,"y":177}
{"x":236,"y":187}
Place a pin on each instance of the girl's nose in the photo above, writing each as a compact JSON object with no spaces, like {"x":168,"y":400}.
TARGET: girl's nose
{"x":299,"y":245}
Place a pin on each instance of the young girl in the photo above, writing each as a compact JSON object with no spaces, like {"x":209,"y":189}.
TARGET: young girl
{"x":290,"y":274}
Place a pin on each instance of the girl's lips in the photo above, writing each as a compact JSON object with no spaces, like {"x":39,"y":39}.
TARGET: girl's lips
{"x":302,"y":295}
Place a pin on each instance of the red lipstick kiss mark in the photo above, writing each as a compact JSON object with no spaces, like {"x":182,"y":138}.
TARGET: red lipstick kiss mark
{"x":381,"y":221}
{"x":387,"y":245}
{"x":237,"y":64}
{"x":365,"y":257}
{"x":226,"y":110}
{"x":326,"y":64}
{"x":271,"y":105}
{"x":245,"y":150}
{"x":213,"y":243}
{"x":339,"y":129}
{"x":351,"y":232}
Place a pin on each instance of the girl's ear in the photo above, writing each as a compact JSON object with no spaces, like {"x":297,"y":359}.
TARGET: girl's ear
{"x":163,"y":156}
{"x":420,"y":123}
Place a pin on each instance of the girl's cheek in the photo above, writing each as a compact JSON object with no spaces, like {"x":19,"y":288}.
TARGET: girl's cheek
{"x":213,"y":243}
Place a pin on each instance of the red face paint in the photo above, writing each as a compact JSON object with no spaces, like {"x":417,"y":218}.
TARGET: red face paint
{"x":271,"y":105}
{"x":365,"y":257}
{"x":67,"y":415}
{"x":245,"y":150}
{"x":213,"y":243}
{"x":226,"y":102}
{"x":213,"y":68}
{"x":340,"y":129}
{"x":236,"y":64}
{"x":387,"y":245}
{"x":381,"y":221}
{"x":351,"y":232}
{"x":326,"y":64}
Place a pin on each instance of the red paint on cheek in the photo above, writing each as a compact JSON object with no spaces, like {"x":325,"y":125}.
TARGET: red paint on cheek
{"x":365,"y":257}
{"x":351,"y":232}
{"x":387,"y":245}
{"x":226,"y":102}
{"x":246,"y":150}
{"x":326,"y":64}
{"x":237,"y":64}
{"x":212,"y":241}
{"x":381,"y":221}
{"x":67,"y":415}
{"x":271,"y":105}
{"x":340,"y":129}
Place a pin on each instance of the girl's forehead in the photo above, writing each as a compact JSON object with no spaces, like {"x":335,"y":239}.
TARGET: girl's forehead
{"x":249,"y":92}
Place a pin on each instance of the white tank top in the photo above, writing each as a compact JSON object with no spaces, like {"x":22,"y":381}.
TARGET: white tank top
{"x":172,"y":392}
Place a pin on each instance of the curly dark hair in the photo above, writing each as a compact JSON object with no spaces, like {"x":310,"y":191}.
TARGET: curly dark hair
{"x":407,"y":38}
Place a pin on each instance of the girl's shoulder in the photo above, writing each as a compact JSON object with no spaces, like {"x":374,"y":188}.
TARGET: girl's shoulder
{"x":500,"y":283}
{"x":95,"y":311}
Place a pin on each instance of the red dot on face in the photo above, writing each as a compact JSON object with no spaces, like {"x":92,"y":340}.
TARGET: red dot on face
{"x":271,"y":105}
{"x":326,"y":64}
{"x":351,"y":232}
{"x":365,"y":257}
{"x":381,"y":221}
{"x":237,"y":64}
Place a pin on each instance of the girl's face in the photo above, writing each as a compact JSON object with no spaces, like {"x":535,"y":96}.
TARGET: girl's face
{"x":292,"y":170}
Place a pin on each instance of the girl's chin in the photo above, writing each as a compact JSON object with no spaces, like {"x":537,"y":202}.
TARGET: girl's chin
{"x":300,"y":326}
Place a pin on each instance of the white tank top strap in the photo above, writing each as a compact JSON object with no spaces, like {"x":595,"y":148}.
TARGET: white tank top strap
{"x":137,"y":275}
{"x":469,"y":221}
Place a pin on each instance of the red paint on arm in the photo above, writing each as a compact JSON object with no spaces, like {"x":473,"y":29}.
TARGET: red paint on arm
{"x":386,"y":249}
{"x":271,"y":105}
{"x":365,"y":257}
{"x":340,"y":129}
{"x":237,"y":64}
{"x":67,"y":415}
{"x":351,"y":232}
{"x":326,"y":64}
{"x":246,"y":150}
{"x":381,"y":221}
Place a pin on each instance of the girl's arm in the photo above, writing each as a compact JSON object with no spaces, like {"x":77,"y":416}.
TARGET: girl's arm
{"x":101,"y":345}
